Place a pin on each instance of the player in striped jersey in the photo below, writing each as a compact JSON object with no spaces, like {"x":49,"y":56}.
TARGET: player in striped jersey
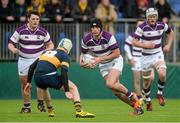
{"x":134,"y":55}
{"x":151,"y":31}
{"x":46,"y":76}
{"x":110,"y":62}
{"x":32,"y":40}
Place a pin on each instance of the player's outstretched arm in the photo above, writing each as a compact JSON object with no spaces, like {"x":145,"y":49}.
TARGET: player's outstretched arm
{"x":27,"y":89}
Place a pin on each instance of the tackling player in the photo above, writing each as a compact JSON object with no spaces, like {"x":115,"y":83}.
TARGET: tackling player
{"x":46,"y":76}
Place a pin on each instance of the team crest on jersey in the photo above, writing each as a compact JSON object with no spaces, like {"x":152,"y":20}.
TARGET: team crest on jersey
{"x":38,"y":36}
{"x":26,"y":37}
{"x":92,"y":48}
{"x":103,"y":46}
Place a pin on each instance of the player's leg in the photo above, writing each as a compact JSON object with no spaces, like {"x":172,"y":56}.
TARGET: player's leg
{"x":47,"y":99}
{"x":161,"y":70}
{"x":147,"y":88}
{"x":123,"y":97}
{"x":77,"y":104}
{"x":137,"y":86}
{"x":43,"y":82}
{"x":112,"y":82}
{"x":40,"y":99}
{"x":26,"y":98}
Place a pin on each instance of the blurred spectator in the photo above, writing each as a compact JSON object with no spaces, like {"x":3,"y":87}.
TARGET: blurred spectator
{"x":106,"y":13}
{"x":125,"y":8}
{"x":81,"y":11}
{"x":93,"y":4}
{"x":175,"y":5}
{"x":6,"y":13}
{"x":20,"y":10}
{"x":164,"y":10}
{"x":37,"y":6}
{"x":54,"y":10}
{"x":68,"y":6}
{"x":139,"y":10}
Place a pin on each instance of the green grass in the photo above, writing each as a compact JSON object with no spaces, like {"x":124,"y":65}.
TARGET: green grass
{"x":105,"y":110}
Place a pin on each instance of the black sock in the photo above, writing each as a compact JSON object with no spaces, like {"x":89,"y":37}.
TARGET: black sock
{"x":130,"y":95}
{"x":147,"y":94}
{"x":50,"y":107}
{"x":77,"y":105}
{"x":27,"y":105}
{"x":40,"y":102}
{"x":160,"y":86}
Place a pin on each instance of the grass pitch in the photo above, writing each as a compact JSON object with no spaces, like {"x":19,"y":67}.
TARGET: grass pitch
{"x":105,"y":111}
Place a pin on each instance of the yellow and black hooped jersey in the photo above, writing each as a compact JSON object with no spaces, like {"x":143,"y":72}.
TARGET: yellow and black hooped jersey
{"x":52,"y":60}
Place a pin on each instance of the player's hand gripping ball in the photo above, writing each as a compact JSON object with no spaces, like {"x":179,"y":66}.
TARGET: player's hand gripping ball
{"x":88,"y":59}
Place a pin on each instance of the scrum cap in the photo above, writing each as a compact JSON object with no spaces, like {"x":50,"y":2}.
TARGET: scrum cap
{"x":66,"y":44}
{"x":151,"y":11}
{"x":96,"y":23}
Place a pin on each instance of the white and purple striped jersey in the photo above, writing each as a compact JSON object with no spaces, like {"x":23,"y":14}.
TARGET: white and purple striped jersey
{"x":154,"y":34}
{"x":102,"y":47}
{"x":132,"y":51}
{"x":31,"y":42}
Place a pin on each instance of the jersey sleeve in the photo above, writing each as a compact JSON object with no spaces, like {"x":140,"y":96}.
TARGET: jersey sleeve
{"x":84,"y":48}
{"x":113,"y":43}
{"x":167,"y":29}
{"x":138,"y":33}
{"x":47,"y":38}
{"x":65,"y":61}
{"x":15,"y":38}
{"x":128,"y":47}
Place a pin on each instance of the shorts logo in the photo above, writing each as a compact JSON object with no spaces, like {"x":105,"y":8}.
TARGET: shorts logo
{"x":103,"y":46}
{"x":26,"y":37}
{"x":159,"y":31}
{"x":159,"y":57}
{"x":38,"y":36}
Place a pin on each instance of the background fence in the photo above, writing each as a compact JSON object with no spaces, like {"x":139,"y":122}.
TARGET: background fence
{"x":75,"y":32}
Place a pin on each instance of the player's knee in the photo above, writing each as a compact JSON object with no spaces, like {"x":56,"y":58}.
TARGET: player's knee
{"x":109,"y":85}
{"x":162,"y":74}
{"x":162,"y":77}
{"x":136,"y":81}
{"x":72,"y":86}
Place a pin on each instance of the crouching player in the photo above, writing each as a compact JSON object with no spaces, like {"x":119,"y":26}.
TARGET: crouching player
{"x":46,"y":76}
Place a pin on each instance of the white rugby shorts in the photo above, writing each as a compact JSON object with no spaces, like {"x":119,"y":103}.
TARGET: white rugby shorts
{"x":149,"y":61}
{"x":137,"y":65}
{"x":24,"y":64}
{"x":114,"y":64}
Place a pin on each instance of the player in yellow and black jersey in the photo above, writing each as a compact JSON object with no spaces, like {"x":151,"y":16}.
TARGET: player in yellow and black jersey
{"x":46,"y":76}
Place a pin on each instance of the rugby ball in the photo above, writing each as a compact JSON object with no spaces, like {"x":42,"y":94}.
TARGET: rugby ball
{"x":87,"y":58}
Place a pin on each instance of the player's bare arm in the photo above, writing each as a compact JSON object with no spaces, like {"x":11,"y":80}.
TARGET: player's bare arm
{"x":27,"y":89}
{"x":49,"y":45}
{"x":115,"y":54}
{"x":170,"y":37}
{"x":137,"y":43}
{"x":12,"y":48}
{"x":64,"y":78}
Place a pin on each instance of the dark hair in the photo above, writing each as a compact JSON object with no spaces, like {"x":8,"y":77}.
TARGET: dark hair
{"x":32,"y":13}
{"x":96,"y":23}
